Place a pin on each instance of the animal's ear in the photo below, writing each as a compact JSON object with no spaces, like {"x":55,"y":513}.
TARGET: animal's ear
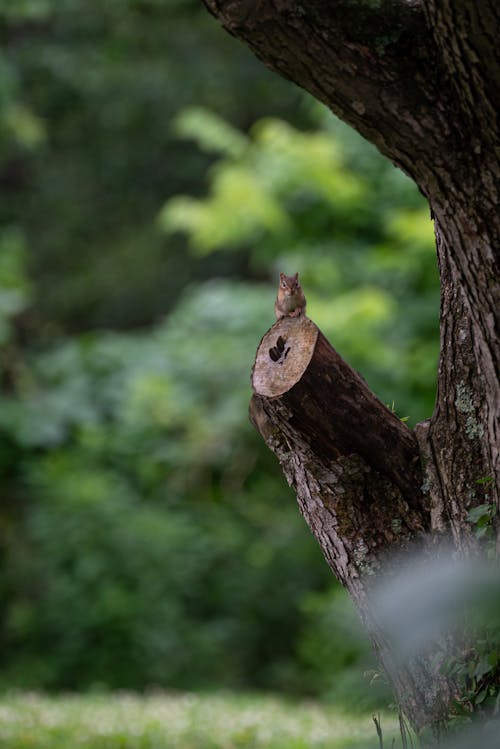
{"x":296,"y":276}
{"x":282,"y":276}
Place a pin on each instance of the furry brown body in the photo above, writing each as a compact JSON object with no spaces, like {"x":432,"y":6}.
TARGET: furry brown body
{"x":290,"y":301}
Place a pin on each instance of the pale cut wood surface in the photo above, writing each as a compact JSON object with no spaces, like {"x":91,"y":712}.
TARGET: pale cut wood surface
{"x":284,"y":355}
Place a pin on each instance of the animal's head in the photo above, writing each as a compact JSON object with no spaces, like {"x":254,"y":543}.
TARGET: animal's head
{"x":289,"y":284}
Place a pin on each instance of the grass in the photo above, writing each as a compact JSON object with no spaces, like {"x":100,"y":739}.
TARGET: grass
{"x":180,"y":721}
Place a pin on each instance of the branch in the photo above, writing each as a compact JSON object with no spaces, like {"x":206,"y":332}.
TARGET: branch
{"x":354,"y":464}
{"x":371,"y":63}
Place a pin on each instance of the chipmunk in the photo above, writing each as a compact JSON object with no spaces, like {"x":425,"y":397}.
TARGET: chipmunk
{"x":290,"y":301}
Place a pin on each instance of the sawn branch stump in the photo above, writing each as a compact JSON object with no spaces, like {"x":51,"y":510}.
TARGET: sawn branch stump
{"x":307,"y":390}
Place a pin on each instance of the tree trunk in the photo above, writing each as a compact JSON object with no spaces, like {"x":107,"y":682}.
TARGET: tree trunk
{"x":421,"y":80}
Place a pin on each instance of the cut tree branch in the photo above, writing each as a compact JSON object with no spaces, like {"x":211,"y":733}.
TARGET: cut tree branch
{"x":312,"y":408}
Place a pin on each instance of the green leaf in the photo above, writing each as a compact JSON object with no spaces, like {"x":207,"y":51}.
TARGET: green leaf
{"x":481,"y":530}
{"x":478,"y":513}
{"x":210,"y":131}
{"x":485,"y":480}
{"x":481,"y":697}
{"x":482,"y":668}
{"x":493,"y":657}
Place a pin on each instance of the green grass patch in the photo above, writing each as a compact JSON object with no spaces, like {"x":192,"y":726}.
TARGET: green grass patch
{"x":180,"y":721}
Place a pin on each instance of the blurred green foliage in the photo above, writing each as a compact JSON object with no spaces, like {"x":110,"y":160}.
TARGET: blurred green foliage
{"x":88,"y":93}
{"x":153,"y":546}
{"x":147,"y":536}
{"x":357,"y":231}
{"x":14,"y":285}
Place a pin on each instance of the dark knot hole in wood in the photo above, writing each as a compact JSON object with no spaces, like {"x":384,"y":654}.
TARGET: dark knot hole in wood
{"x":279,"y":352}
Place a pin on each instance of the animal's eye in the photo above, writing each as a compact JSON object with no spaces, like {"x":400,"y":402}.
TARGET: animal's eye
{"x":283,"y":285}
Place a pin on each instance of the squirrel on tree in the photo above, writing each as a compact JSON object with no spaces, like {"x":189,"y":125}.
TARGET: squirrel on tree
{"x":290,"y":301}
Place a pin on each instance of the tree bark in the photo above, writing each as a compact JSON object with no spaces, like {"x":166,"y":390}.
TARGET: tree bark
{"x":356,"y":471}
{"x":421,"y":80}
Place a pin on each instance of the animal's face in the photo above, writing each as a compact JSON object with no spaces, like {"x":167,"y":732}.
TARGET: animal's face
{"x":289,"y":284}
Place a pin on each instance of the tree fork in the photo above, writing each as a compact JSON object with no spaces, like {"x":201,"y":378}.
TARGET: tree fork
{"x":356,"y":473}
{"x":420,"y":79}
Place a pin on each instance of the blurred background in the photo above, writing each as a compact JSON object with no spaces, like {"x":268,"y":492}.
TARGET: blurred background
{"x":154,"y":179}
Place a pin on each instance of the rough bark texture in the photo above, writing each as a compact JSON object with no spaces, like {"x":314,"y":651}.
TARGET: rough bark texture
{"x":356,"y":471}
{"x":421,"y":80}
{"x":335,"y":409}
